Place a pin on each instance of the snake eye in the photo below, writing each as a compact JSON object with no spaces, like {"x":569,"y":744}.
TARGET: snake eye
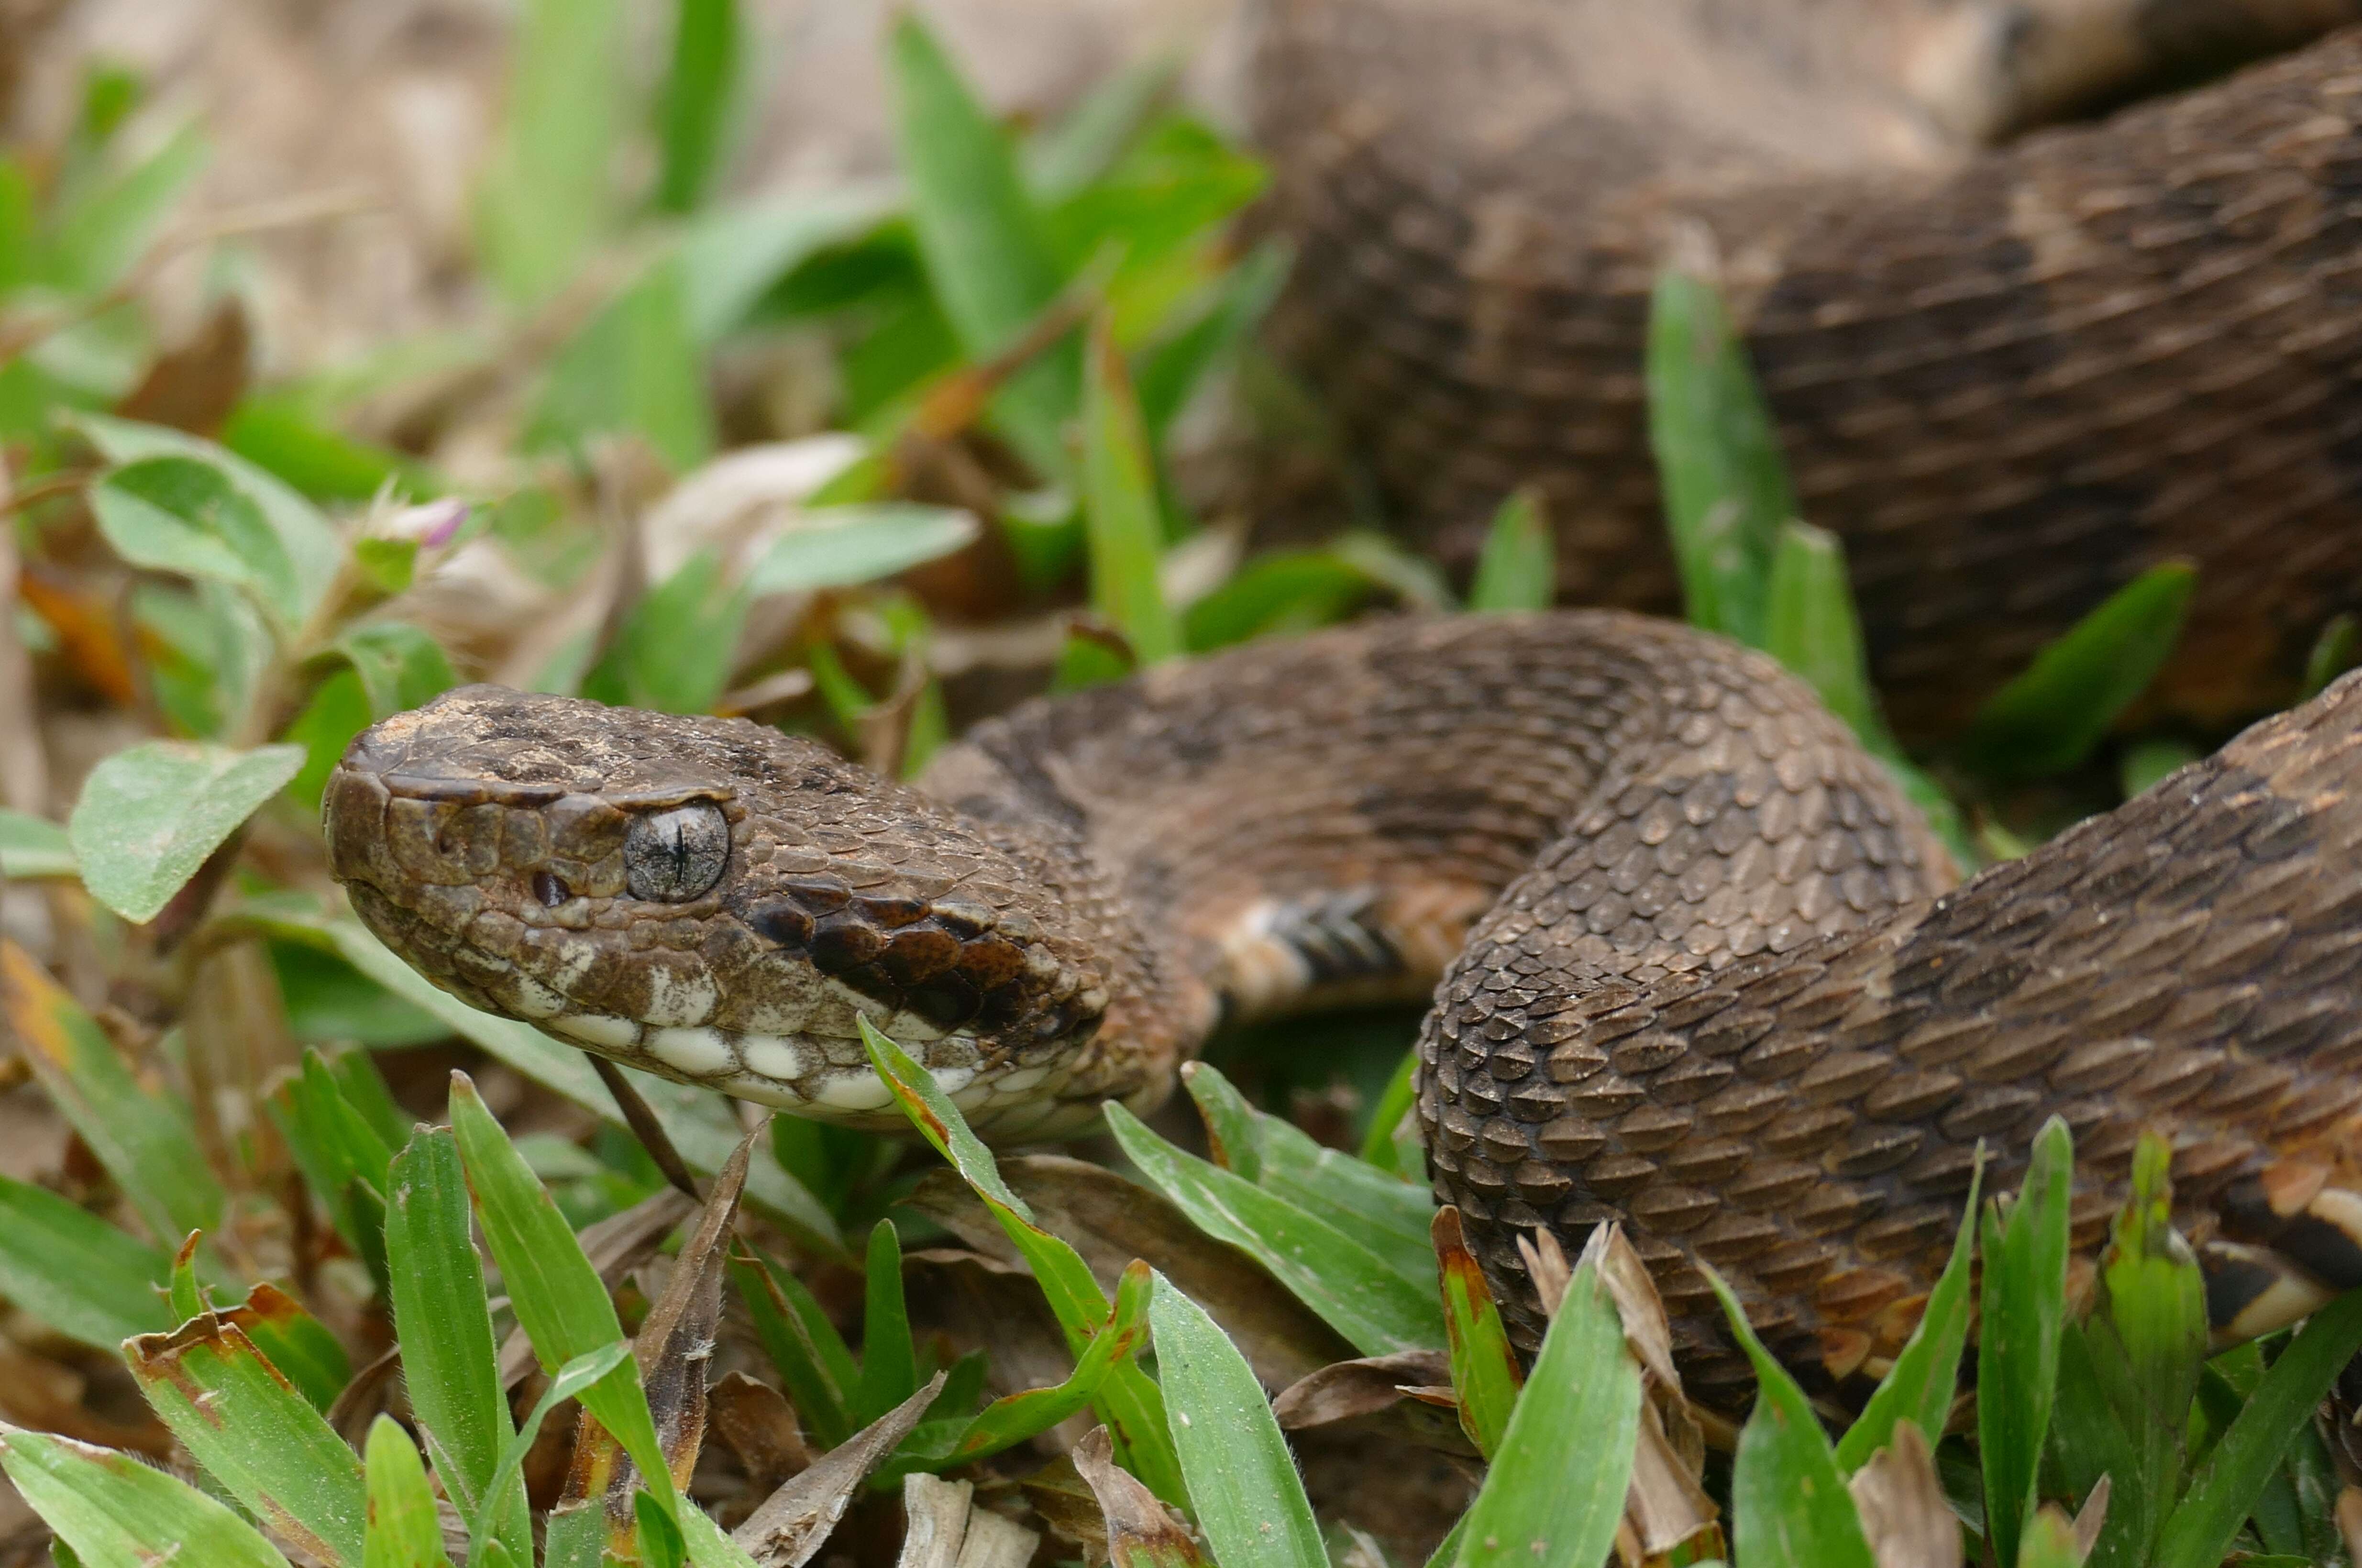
{"x":673,"y":856}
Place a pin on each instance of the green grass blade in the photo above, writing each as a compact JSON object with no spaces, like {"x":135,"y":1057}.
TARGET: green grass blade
{"x":1719,"y":460}
{"x":2050,"y":1540}
{"x":1129,"y":1403}
{"x":1519,"y":568}
{"x":810,"y":1355}
{"x":242,"y":1420}
{"x":1017,"y":1417}
{"x":1243,"y":1482}
{"x":1068,"y":156}
{"x":2147,"y":764}
{"x":2053,"y":715}
{"x":2025,"y":1290}
{"x":1810,"y":627}
{"x":146,"y":1142}
{"x":2334,"y":653}
{"x":660,"y":1542}
{"x":1120,"y":507}
{"x":571,"y":1381}
{"x":73,"y":1270}
{"x":553,"y":1289}
{"x":981,"y":239}
{"x":889,"y":1362}
{"x":693,"y":111}
{"x":1920,"y":1385}
{"x":1789,"y":1505}
{"x":444,"y":1322}
{"x":2225,"y":1487}
{"x":115,"y":1512}
{"x":1553,"y":1497}
{"x":1379,"y":1308}
{"x":1383,"y":1145}
{"x":1484,"y":1371}
{"x":294,"y":1341}
{"x":403,"y":1532}
{"x":1170,"y":370}
{"x":548,"y":195}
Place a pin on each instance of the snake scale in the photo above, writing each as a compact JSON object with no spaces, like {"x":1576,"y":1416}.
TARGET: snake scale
{"x":1695,"y":963}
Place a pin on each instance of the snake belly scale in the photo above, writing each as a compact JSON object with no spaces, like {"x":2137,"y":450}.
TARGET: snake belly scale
{"x":1696,"y":964}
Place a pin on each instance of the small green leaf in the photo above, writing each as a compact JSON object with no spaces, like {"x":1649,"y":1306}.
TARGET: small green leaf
{"x":2050,"y":1540}
{"x":842,"y":547}
{"x":149,"y":816}
{"x":1066,"y":156}
{"x":1789,"y":1505}
{"x":553,"y":1289}
{"x":2334,"y":653}
{"x":400,"y":666}
{"x":1920,"y":1384}
{"x":1120,"y":507}
{"x":693,"y":111}
{"x":403,"y":1532}
{"x":1129,"y":1403}
{"x":2050,"y":717}
{"x":660,"y":1542}
{"x":1242,"y":1480}
{"x":389,"y":565}
{"x":2025,"y":1301}
{"x":889,"y":1362}
{"x":104,"y":230}
{"x":1170,"y":370}
{"x":34,"y":847}
{"x":1718,"y":458}
{"x":242,"y":1420}
{"x":116,"y":1512}
{"x":1376,"y":1306}
{"x":1278,"y":595}
{"x":2147,"y":764}
{"x":1519,"y":568}
{"x":1484,"y":1371}
{"x":179,"y":515}
{"x":1547,"y":1499}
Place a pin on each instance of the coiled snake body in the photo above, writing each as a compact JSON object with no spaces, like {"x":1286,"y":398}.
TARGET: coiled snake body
{"x":1694,"y":969}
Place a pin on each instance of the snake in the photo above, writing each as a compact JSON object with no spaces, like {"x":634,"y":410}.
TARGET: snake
{"x":2017,"y":350}
{"x":1696,"y":964}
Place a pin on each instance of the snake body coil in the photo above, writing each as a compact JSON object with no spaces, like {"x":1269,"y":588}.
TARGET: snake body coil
{"x":1698,"y":965}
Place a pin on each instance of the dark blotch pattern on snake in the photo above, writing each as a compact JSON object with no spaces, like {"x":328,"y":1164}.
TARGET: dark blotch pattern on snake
{"x":1695,"y":963}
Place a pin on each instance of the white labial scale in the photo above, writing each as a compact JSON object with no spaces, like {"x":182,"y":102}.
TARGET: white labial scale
{"x":530,"y":998}
{"x":973,"y":1097}
{"x":600,"y":1029}
{"x":951,"y":1080}
{"x":700,"y":1052}
{"x":763,"y":1091}
{"x":677,"y":1000}
{"x":854,"y":1091}
{"x":771,"y":1056}
{"x":1011,"y":1086}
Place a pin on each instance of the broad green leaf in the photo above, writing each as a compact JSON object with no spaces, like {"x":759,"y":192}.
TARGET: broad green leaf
{"x":1129,"y":1403}
{"x":732,"y":255}
{"x":694,"y":109}
{"x":338,"y":710}
{"x":73,"y":1270}
{"x":1547,"y":1499}
{"x":311,"y":545}
{"x":116,"y":1512}
{"x":981,"y":239}
{"x":303,"y":1348}
{"x":1519,"y":568}
{"x":553,"y":1289}
{"x":2024,"y":1289}
{"x":674,"y":651}
{"x":179,"y":515}
{"x":1789,"y":1505}
{"x":1277,"y":595}
{"x":279,"y":434}
{"x":403,"y":1532}
{"x":241,"y":1419}
{"x":1241,"y":1479}
{"x":146,"y":1142}
{"x":548,"y":195}
{"x":1121,"y":514}
{"x":841,"y":547}
{"x":889,"y":1362}
{"x":2334,"y":653}
{"x":1484,"y":1371}
{"x":575,"y":1380}
{"x":449,"y":1359}
{"x":2051,"y":716}
{"x":1379,"y":1308}
{"x":704,"y":1138}
{"x":33,"y":847}
{"x":149,"y":816}
{"x":1809,"y":626}
{"x":2224,"y":1487}
{"x":399,"y":666}
{"x":1718,"y":458}
{"x":1920,"y":1385}
{"x":104,"y":230}
{"x":637,"y":366}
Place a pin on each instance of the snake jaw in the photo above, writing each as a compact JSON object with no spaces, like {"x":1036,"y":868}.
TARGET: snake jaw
{"x":487,"y":839}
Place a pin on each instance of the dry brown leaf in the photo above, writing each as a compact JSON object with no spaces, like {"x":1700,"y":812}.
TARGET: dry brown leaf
{"x":1141,"y":1531}
{"x":2349,"y":1520}
{"x":760,"y":1426}
{"x":1666,"y":1505}
{"x":1406,"y":1397}
{"x":793,"y":1523}
{"x":2092,"y":1516}
{"x":1902,"y":1503}
{"x":194,"y":386}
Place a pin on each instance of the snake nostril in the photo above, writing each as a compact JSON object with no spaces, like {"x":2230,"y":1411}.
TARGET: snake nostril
{"x":550,"y":888}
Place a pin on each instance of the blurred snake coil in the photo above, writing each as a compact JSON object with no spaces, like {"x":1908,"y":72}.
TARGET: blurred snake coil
{"x":1697,"y":964}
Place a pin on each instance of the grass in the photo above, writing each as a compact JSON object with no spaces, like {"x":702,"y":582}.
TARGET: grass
{"x":267,"y":1197}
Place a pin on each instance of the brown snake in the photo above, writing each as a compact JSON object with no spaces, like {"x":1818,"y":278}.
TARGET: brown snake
{"x":1707,"y":989}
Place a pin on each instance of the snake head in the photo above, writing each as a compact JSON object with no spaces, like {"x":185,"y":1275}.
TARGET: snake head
{"x":710,"y":901}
